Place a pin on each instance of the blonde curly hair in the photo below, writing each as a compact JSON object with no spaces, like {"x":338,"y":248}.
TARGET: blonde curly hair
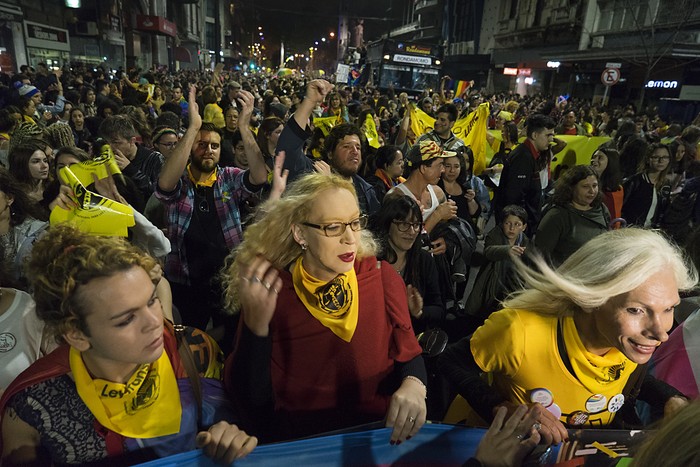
{"x":271,"y":235}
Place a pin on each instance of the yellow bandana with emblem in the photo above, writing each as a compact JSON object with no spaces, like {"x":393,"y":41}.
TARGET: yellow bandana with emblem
{"x":334,"y":304}
{"x":597,"y":373}
{"x":147,"y":406}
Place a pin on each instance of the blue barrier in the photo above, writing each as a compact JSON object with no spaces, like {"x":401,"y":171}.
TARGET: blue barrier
{"x":434,"y":445}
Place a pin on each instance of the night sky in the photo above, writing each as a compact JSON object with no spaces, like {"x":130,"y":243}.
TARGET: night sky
{"x":301,"y":22}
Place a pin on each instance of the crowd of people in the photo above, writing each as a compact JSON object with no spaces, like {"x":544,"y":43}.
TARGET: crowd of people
{"x":284,"y":278}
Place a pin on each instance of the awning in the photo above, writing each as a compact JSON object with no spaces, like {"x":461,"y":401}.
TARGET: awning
{"x":156,"y":24}
{"x":182,"y":54}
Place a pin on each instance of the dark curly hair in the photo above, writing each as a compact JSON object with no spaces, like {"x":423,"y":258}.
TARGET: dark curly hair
{"x":564,"y":189}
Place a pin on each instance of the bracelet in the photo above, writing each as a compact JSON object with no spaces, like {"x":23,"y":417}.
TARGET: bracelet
{"x":417,"y":380}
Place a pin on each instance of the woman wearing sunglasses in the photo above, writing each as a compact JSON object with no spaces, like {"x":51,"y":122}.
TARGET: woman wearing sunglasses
{"x":325,"y":338}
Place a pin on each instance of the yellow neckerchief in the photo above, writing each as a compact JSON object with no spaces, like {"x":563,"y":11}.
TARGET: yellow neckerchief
{"x":595,"y":372}
{"x":147,"y":406}
{"x":4,"y":136}
{"x":208,"y":182}
{"x":334,"y":304}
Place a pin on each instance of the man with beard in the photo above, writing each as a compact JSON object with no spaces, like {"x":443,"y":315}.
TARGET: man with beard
{"x":342,"y":147}
{"x":204,"y":219}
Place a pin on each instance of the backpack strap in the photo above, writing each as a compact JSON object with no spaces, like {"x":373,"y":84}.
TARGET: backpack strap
{"x":187,"y":359}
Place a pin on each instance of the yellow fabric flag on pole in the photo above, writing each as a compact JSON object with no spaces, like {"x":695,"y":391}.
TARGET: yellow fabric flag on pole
{"x":421,"y":122}
{"x":326,"y":124}
{"x":472,"y":130}
{"x":370,"y":129}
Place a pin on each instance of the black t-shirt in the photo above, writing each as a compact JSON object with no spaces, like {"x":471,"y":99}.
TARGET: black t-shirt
{"x":204,"y":239}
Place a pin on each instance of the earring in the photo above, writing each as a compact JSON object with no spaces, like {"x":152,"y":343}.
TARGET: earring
{"x":303,"y":246}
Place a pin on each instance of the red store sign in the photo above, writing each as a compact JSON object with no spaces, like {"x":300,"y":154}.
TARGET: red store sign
{"x":156,"y":24}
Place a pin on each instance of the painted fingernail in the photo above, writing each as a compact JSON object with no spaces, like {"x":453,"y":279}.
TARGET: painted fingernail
{"x":398,"y":442}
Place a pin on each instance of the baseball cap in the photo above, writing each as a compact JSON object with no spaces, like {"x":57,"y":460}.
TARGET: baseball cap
{"x":425,"y":151}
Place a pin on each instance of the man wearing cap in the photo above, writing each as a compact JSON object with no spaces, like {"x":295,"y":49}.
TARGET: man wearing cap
{"x":425,"y":165}
{"x":29,"y":91}
{"x":342,"y":148}
{"x":229,"y":99}
{"x":442,"y":130}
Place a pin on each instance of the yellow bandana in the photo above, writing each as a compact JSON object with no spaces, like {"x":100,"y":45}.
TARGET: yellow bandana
{"x":597,"y":373}
{"x":147,"y":406}
{"x":334,"y":304}
{"x":208,"y":182}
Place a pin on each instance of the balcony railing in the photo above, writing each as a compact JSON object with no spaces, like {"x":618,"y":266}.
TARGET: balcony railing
{"x":420,"y":5}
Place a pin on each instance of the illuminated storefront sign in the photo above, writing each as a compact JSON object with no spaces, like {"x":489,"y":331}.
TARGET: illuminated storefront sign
{"x":661,"y":84}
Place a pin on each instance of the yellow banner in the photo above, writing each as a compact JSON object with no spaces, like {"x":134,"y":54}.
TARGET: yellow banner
{"x":326,"y":124}
{"x":578,"y":150}
{"x":95,"y":214}
{"x":472,"y":130}
{"x":370,"y":129}
{"x":421,"y":122}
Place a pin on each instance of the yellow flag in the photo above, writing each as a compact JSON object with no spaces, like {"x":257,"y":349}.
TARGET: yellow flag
{"x":421,"y":122}
{"x":472,"y":130}
{"x":371,"y":131}
{"x":326,"y":124}
{"x":95,"y":214}
{"x":578,"y":150}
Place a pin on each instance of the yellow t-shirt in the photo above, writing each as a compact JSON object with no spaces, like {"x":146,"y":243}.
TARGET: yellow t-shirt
{"x":519,"y":348}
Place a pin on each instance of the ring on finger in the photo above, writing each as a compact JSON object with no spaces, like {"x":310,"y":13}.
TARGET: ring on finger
{"x":255,"y":279}
{"x":537,"y":426}
{"x":412,"y":419}
{"x":520,"y":436}
{"x":266,"y":285}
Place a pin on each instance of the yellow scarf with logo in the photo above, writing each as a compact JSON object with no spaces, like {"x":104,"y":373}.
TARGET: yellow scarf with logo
{"x":147,"y":406}
{"x":334,"y":304}
{"x":597,"y":373}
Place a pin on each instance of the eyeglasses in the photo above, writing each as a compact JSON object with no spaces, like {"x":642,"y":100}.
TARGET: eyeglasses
{"x":403,"y":226}
{"x":168,"y":145}
{"x":336,"y":229}
{"x":659,"y":158}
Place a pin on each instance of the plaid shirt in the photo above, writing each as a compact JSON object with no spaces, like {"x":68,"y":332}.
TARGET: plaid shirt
{"x":229,"y":191}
